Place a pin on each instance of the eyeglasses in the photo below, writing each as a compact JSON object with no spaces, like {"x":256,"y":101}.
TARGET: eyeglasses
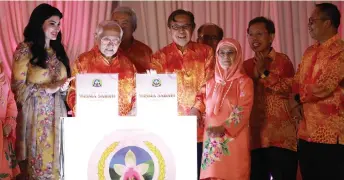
{"x":225,"y":53}
{"x":108,"y":40}
{"x":312,"y":20}
{"x":208,"y":37}
{"x":178,"y":27}
{"x":256,"y":34}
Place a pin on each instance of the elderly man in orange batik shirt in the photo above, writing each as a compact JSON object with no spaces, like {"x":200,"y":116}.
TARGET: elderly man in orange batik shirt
{"x":104,"y":58}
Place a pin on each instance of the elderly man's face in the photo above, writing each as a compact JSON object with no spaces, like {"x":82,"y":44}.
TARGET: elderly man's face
{"x":126,"y":23}
{"x":108,"y":42}
{"x":209,"y":35}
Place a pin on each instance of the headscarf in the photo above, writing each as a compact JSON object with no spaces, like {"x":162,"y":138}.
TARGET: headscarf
{"x":224,"y":77}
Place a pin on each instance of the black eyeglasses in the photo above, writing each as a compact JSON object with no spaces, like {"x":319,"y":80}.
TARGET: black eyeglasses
{"x":225,"y":53}
{"x":177,"y":27}
{"x":312,"y":20}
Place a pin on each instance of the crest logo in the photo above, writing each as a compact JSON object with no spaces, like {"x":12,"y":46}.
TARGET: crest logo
{"x":97,"y":83}
{"x":156,"y":82}
{"x":130,"y":155}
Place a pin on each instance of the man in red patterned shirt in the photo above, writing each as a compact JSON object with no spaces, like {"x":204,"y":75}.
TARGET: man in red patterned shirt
{"x":273,"y":131}
{"x":138,"y":52}
{"x":192,"y":62}
{"x":319,"y":89}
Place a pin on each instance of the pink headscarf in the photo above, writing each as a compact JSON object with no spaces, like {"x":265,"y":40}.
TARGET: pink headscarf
{"x":223,"y":77}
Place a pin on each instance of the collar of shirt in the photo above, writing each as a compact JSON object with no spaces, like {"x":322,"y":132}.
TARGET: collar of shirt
{"x":189,"y":47}
{"x":327,"y":43}
{"x":272,"y":54}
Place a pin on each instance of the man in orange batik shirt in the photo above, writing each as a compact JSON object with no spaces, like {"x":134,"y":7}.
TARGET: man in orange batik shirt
{"x":138,"y":52}
{"x":104,"y":58}
{"x":319,"y":89}
{"x":273,"y":131}
{"x":192,"y":62}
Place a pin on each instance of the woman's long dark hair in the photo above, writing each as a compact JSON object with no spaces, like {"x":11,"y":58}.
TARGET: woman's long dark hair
{"x":34,"y":34}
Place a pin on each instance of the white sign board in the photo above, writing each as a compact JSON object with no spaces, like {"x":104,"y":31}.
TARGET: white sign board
{"x":96,"y":94}
{"x":156,"y":95}
{"x":130,"y":147}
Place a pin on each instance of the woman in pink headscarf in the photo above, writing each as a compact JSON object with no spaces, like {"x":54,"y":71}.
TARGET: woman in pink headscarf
{"x":228,"y":100}
{"x":9,"y":168}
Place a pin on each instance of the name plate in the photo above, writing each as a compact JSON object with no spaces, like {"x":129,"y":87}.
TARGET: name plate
{"x":156,"y":95}
{"x":96,"y":95}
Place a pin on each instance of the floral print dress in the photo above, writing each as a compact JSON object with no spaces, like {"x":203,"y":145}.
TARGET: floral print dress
{"x":228,"y":157}
{"x":39,"y":125}
{"x":9,"y":168}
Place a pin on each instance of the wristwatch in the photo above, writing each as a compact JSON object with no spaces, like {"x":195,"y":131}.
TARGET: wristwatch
{"x":265,"y":74}
{"x":297,"y":98}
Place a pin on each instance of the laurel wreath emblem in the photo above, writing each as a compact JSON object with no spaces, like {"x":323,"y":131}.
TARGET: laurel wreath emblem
{"x":151,"y":147}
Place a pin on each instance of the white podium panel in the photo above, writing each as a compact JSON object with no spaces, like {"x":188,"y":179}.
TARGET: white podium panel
{"x":96,"y":94}
{"x":130,"y":147}
{"x":156,"y":95}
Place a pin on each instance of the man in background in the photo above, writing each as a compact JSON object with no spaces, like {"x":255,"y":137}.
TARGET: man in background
{"x":137,"y":52}
{"x":210,"y":34}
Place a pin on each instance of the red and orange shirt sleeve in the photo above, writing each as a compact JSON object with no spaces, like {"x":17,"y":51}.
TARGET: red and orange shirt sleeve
{"x":71,"y":94}
{"x":321,"y":92}
{"x":326,"y":80}
{"x":281,"y":75}
{"x":200,"y":99}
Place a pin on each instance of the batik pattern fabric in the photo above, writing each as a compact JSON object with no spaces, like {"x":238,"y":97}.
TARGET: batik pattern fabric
{"x":271,"y":122}
{"x":193,"y":67}
{"x":319,"y":81}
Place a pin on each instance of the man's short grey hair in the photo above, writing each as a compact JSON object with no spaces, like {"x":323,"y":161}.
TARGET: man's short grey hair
{"x":104,"y":24}
{"x":130,"y":12}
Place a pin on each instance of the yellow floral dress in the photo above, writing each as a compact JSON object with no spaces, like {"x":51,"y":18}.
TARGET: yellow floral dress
{"x":39,"y":125}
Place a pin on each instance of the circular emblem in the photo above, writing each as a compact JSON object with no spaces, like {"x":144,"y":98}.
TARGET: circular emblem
{"x":156,"y":82}
{"x":131,"y":155}
{"x":97,"y":83}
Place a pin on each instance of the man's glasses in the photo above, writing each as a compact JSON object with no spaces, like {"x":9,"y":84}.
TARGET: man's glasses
{"x":107,"y":40}
{"x":178,"y":27}
{"x":312,"y":20}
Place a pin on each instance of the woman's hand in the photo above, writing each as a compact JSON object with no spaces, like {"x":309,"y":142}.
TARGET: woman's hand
{"x":216,"y":131}
{"x":65,"y":85}
{"x":60,"y":85}
{"x":7,"y":130}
